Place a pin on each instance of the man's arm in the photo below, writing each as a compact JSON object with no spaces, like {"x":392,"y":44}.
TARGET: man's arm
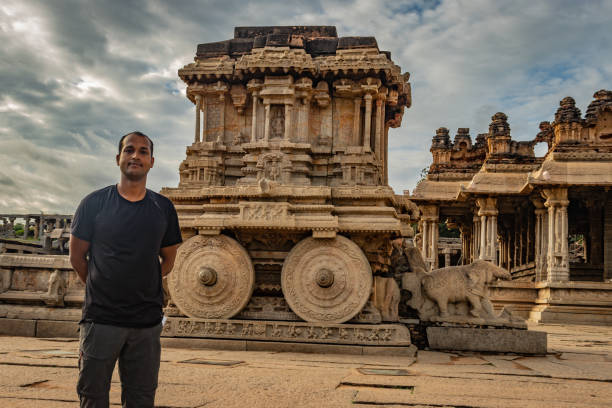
{"x":167,"y":254}
{"x":78,"y":256}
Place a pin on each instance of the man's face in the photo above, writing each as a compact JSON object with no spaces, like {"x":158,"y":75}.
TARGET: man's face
{"x":135,"y":159}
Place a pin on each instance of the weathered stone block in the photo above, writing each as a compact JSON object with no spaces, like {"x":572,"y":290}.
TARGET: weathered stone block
{"x":51,"y":328}
{"x":18,"y":327}
{"x":495,"y":340}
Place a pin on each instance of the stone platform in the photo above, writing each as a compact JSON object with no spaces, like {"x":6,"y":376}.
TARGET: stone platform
{"x":487,"y":340}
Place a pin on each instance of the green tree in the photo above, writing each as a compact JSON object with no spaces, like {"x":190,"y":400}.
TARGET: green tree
{"x":18,"y":229}
{"x":448,"y":233}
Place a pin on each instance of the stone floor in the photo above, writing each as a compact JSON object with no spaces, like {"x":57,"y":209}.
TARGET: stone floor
{"x":577,"y":372}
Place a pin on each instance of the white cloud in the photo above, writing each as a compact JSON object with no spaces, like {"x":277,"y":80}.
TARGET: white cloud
{"x":77,"y":75}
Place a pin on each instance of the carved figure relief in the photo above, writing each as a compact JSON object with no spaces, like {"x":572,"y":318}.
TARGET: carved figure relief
{"x":277,"y":121}
{"x":273,"y":167}
{"x":57,"y":289}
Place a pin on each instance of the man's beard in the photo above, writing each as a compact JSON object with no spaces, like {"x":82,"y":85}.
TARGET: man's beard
{"x":133,"y":176}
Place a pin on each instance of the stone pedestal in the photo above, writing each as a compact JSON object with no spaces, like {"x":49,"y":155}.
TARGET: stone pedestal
{"x":488,"y":340}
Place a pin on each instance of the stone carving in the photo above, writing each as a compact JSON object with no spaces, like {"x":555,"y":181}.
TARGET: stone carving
{"x":387,"y":298}
{"x":264,"y":212}
{"x":277,"y":122}
{"x":457,"y":294}
{"x":57,"y":289}
{"x":380,"y":334}
{"x":326,"y":280}
{"x":213,"y":277}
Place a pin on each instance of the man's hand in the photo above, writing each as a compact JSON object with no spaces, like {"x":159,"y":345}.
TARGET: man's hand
{"x":78,"y":256}
{"x":167,"y":254}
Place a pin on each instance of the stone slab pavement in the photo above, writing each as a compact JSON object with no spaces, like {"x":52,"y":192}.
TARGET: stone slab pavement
{"x":576,"y":372}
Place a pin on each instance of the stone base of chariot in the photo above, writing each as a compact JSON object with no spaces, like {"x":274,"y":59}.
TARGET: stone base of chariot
{"x":388,"y":339}
{"x":492,"y":339}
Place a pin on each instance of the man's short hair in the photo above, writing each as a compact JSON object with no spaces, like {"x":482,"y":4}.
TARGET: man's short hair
{"x":137,"y":133}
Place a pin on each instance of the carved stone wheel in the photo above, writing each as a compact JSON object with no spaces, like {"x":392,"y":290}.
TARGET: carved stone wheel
{"x":326,"y":280}
{"x":213,"y":277}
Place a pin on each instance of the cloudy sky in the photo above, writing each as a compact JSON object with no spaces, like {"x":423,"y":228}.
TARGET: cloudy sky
{"x":76,"y":75}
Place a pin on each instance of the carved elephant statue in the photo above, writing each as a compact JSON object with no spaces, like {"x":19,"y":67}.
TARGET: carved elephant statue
{"x":467,"y":283}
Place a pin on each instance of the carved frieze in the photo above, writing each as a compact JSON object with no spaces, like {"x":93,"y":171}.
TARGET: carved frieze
{"x":375,"y":335}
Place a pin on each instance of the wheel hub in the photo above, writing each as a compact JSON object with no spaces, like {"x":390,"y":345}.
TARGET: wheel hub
{"x":207,"y":276}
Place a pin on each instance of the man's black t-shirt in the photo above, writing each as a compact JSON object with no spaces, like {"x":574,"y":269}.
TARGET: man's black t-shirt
{"x":124,"y":284}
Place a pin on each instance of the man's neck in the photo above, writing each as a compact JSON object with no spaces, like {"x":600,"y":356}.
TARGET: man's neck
{"x":132,"y":190}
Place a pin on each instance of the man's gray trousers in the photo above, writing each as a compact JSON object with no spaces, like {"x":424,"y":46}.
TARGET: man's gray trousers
{"x":138,"y":351}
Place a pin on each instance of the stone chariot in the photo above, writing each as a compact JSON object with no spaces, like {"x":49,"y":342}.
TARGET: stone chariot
{"x":283,"y":200}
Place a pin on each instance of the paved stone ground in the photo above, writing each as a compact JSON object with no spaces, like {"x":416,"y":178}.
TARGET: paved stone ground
{"x":577,"y":372}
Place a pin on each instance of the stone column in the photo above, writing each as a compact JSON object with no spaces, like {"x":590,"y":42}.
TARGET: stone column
{"x":220,"y":136}
{"x":303,"y":122}
{"x":466,"y":239}
{"x":558,"y":253}
{"x":367,"y":122}
{"x":254,"y":120}
{"x":41,"y":227}
{"x":429,"y":220}
{"x":198,"y":115}
{"x":11,"y":226}
{"x":378,"y":142}
{"x":26,"y":227}
{"x":385,"y":149}
{"x":204,"y":121}
{"x":540,"y":239}
{"x":288,"y":114}
{"x":447,"y":257}
{"x":475,"y":238}
{"x":356,"y":121}
{"x":267,"y":122}
{"x":487,"y":211}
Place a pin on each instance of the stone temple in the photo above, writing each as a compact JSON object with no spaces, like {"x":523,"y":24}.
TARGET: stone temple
{"x":525,"y":213}
{"x":293,"y":234}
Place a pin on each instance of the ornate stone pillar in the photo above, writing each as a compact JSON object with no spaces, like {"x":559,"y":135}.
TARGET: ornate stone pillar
{"x":267,"y":122}
{"x":254,"y":87}
{"x":367,"y":122}
{"x":204,"y":119}
{"x":356,"y":121}
{"x":288,"y":114}
{"x":540,"y":239}
{"x":475,"y":238}
{"x":487,"y":211}
{"x":220,"y":136}
{"x":429,"y":220}
{"x":254,"y":119}
{"x":385,"y":149}
{"x":198,"y":115}
{"x":378,"y":142}
{"x":558,"y":253}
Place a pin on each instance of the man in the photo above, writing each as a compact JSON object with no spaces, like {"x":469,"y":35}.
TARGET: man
{"x":125,"y":229}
